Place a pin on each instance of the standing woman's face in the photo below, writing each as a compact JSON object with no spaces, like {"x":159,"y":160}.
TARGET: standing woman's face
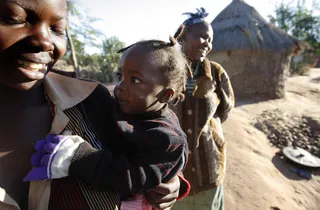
{"x":31,"y":40}
{"x":197,"y":41}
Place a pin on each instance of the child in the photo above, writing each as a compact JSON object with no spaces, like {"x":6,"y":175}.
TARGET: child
{"x":153,"y":149}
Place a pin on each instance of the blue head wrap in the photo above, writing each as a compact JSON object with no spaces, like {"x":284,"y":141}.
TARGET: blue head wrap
{"x":195,"y":18}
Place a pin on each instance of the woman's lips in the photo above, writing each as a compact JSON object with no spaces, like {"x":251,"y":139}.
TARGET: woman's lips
{"x":203,"y":52}
{"x":32,"y":70}
{"x":31,"y":65}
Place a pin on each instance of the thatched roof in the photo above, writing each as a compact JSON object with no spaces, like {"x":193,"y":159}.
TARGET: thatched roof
{"x":240,"y":27}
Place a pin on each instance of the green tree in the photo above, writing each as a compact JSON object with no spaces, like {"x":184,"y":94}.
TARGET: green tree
{"x":80,"y":31}
{"x":111,"y":58}
{"x":295,"y":19}
{"x":283,"y":18}
{"x":99,"y":66}
{"x":307,"y":28}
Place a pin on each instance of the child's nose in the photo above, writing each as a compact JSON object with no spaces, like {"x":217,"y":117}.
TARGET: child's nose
{"x":120,"y":90}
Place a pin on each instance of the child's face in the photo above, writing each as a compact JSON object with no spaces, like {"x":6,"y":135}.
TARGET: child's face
{"x":140,"y":81}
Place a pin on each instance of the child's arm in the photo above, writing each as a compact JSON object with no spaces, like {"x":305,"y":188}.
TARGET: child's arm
{"x":162,"y":155}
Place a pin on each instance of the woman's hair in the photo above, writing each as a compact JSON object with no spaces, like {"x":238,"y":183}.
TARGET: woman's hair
{"x":174,"y":65}
{"x":194,"y":18}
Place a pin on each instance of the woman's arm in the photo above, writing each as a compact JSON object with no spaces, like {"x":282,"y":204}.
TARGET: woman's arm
{"x":165,"y":195}
{"x":224,"y":91}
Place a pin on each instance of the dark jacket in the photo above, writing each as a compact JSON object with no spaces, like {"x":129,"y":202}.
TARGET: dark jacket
{"x":85,"y":108}
{"x":142,"y":152}
{"x":201,"y":115}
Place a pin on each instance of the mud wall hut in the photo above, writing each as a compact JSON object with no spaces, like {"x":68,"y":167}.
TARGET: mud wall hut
{"x":255,"y":53}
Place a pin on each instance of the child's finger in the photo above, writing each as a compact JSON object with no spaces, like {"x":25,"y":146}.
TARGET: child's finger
{"x":49,"y":147}
{"x":45,"y":160}
{"x":53,"y":138}
{"x":39,"y":146}
{"x":36,"y":159}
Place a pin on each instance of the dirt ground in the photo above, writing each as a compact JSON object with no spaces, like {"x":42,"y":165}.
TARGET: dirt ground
{"x":257,"y":178}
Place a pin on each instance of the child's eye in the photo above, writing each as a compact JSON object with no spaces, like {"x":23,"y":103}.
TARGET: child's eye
{"x":119,"y":76}
{"x":135,"y":80}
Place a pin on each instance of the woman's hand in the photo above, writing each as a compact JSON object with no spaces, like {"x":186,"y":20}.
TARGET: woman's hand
{"x":165,"y":195}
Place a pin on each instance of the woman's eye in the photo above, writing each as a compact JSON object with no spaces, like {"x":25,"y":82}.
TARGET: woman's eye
{"x":135,"y":80}
{"x":59,"y":28}
{"x":58,"y":32}
{"x":11,"y":21}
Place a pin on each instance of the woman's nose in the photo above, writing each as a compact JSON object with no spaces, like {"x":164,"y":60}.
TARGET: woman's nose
{"x":41,"y":38}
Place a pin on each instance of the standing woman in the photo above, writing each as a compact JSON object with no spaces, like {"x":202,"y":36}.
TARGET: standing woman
{"x":209,"y":100}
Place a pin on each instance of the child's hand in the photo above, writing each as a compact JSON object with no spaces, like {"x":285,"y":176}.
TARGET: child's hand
{"x":53,"y":157}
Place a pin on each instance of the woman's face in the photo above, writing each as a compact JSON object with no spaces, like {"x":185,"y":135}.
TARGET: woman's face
{"x":197,"y":42}
{"x":31,"y":40}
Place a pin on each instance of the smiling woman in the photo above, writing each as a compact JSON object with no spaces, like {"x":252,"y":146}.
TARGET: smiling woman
{"x":35,"y":102}
{"x":30,"y":43}
{"x":32,"y":40}
{"x":209,"y":100}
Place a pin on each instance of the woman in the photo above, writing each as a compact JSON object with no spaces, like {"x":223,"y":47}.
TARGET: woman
{"x":208,"y":102}
{"x":36,"y":101}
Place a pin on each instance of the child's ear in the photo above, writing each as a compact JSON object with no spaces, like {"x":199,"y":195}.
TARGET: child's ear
{"x":165,"y":95}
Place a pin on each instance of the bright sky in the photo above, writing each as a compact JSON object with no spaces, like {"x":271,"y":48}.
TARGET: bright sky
{"x":133,"y":20}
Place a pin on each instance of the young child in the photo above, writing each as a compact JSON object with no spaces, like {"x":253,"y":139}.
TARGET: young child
{"x":153,"y":148}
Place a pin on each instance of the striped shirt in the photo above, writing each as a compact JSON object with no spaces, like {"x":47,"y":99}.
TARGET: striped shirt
{"x":69,"y":193}
{"x":191,"y":81}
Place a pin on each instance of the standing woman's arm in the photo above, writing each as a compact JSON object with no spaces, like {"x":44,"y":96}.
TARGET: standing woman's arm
{"x":224,"y":91}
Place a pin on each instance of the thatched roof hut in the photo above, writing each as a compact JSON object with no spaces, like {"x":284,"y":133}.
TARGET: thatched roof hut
{"x":255,"y":53}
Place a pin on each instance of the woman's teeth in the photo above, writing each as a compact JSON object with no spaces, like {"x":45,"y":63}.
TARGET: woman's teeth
{"x":30,"y":65}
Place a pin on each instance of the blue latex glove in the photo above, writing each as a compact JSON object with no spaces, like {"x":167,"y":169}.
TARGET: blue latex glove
{"x":53,"y":157}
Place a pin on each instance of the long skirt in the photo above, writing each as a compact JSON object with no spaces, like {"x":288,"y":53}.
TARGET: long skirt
{"x":212,"y":199}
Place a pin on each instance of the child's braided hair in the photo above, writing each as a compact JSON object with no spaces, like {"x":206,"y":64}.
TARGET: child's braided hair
{"x":173,"y":63}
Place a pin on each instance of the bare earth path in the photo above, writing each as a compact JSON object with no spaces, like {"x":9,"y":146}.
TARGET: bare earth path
{"x":256,"y":177}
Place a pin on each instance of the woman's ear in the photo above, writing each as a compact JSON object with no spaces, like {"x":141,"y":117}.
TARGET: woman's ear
{"x":166,"y":95}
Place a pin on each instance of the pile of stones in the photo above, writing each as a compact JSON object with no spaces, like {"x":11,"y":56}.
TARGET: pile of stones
{"x":283,"y":129}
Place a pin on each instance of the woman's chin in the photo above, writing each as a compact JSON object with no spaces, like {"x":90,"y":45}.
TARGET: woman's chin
{"x":198,"y":58}
{"x":26,"y":86}
{"x":202,"y":59}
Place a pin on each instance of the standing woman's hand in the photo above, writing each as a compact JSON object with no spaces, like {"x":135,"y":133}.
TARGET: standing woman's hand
{"x":165,"y":195}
